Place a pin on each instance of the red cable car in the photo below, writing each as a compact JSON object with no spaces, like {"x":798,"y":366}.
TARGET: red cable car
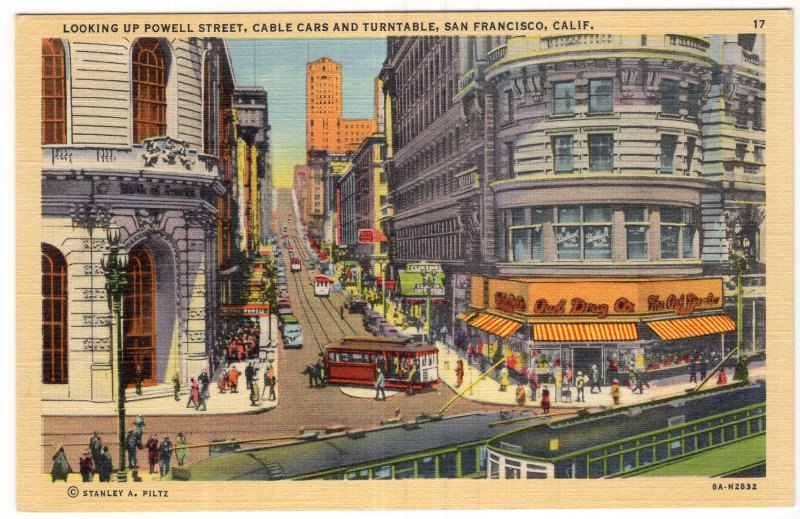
{"x":406,"y":364}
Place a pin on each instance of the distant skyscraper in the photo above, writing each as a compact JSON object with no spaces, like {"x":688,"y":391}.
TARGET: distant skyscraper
{"x":326,"y":129}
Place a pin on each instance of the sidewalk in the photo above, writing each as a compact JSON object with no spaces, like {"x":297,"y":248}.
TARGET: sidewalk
{"x":488,"y":389}
{"x":162,"y":401}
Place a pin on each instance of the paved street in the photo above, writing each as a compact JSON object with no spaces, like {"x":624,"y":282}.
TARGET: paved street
{"x":300,"y":407}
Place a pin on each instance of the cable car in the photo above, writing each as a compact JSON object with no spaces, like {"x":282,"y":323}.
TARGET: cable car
{"x":355,"y":361}
{"x":296,"y":264}
{"x":322,"y":286}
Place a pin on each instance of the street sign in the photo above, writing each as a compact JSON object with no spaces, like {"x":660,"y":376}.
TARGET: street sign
{"x":365,"y":236}
{"x":424,"y":267}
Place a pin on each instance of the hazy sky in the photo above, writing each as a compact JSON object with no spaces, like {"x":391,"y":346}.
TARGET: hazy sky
{"x":280,"y":67}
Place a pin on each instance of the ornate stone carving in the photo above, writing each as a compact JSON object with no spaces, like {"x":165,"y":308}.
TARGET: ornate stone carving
{"x":149,"y":220}
{"x":96,"y":320}
{"x":167,"y":150}
{"x":630,"y":80}
{"x":652,"y":82}
{"x":90,"y":215}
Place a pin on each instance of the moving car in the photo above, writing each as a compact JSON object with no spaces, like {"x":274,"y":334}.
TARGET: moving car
{"x":290,"y":330}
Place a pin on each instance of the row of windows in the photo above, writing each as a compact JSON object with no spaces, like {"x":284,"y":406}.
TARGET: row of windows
{"x":441,"y":247}
{"x":588,"y":233}
{"x":601,"y":99}
{"x":601,"y":152}
{"x":463,"y":463}
{"x":428,"y":229}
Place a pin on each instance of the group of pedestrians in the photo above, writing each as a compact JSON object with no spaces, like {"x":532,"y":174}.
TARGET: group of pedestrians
{"x":199,"y":392}
{"x":98,"y":460}
{"x":243,"y":343}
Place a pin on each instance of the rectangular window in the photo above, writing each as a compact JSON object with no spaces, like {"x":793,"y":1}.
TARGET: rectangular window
{"x":670,"y":102}
{"x":586,"y":235}
{"x":637,"y":228}
{"x":691,"y":142}
{"x":447,"y":465}
{"x":677,"y":233}
{"x":601,"y":96}
{"x":427,"y":467}
{"x":601,"y":152}
{"x":510,"y":159}
{"x":384,"y":472}
{"x":758,"y":114}
{"x":741,"y":151}
{"x":693,"y":101}
{"x":564,"y":98}
{"x":562,"y":153}
{"x":508,"y":107}
{"x":742,"y":114}
{"x":669,"y":143}
{"x":758,"y":154}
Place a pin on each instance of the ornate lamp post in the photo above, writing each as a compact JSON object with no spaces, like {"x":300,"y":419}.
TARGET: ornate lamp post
{"x":115,"y":264}
{"x":429,"y":281}
{"x":383,"y":263}
{"x":738,"y":254}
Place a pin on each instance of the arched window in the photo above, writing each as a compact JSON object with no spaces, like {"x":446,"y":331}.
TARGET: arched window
{"x":54,"y":92}
{"x":54,"y":316}
{"x":149,"y":90}
{"x":139,"y":308}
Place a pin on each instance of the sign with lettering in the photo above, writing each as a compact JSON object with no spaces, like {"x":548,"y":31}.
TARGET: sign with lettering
{"x":598,"y":299}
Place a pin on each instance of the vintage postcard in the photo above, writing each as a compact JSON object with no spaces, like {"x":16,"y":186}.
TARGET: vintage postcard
{"x":514,"y":259}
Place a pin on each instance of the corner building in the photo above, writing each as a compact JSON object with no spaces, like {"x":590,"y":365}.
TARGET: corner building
{"x":584,"y":158}
{"x":135,"y":134}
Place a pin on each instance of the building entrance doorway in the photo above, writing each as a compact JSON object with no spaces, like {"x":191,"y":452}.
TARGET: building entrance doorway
{"x":139,"y":318}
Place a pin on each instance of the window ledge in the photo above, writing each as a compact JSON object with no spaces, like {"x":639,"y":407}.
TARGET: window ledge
{"x":565,"y":115}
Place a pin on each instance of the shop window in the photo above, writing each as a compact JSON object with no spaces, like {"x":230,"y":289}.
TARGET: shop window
{"x":637,"y":229}
{"x":601,"y":95}
{"x":564,"y":98}
{"x":55,"y":353}
{"x":670,"y":101}
{"x":54,"y":92}
{"x":562,"y":154}
{"x":601,"y":152}
{"x":677,"y":233}
{"x":584,"y":233}
{"x":149,"y":90}
{"x":669,"y":142}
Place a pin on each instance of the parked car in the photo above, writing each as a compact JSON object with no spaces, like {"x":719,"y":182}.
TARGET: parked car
{"x":310,"y":266}
{"x":356,"y":306}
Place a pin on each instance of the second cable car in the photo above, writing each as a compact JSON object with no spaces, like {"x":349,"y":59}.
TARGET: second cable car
{"x":322,"y":286}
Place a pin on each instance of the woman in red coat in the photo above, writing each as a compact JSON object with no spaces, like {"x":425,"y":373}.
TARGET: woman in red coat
{"x":152,"y":453}
{"x":459,"y":372}
{"x":722,"y":379}
{"x":545,"y":400}
{"x":195,"y":393}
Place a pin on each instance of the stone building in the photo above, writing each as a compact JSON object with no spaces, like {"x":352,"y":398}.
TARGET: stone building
{"x":136,"y":135}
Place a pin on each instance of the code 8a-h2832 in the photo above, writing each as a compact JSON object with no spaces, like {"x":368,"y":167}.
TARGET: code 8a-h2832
{"x":734,"y":486}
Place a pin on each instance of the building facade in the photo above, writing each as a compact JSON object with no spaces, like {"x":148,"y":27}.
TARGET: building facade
{"x":123,"y":145}
{"x":579,"y":156}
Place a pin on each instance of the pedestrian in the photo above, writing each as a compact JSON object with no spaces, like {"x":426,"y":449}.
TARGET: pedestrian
{"x":255,"y":395}
{"x":138,"y":423}
{"x":703,"y":368}
{"x":105,"y":466}
{"x":520,"y":395}
{"x":693,"y":371}
{"x":61,"y":468}
{"x":722,"y":378}
{"x":545,"y":400}
{"x":341,"y":312}
{"x":504,"y":378}
{"x":459,"y":372}
{"x":533,"y":381}
{"x":181,"y":449}
{"x":511,"y":363}
{"x":470,"y":354}
{"x":615,"y":391}
{"x":311,"y":377}
{"x":233,"y":379}
{"x":632,"y":380}
{"x":176,"y":386}
{"x":194,"y":394}
{"x":320,"y":367}
{"x":248,"y":374}
{"x":271,"y":382}
{"x":223,"y":381}
{"x":96,"y":448}
{"x":201,"y":401}
{"x":580,"y":384}
{"x":139,"y":378}
{"x":86,"y":467}
{"x":568,"y":376}
{"x":204,"y":381}
{"x":165,"y":456}
{"x":152,"y":453}
{"x":130,"y":444}
{"x":640,"y":382}
{"x":380,"y":386}
{"x":413,"y":377}
{"x":595,"y":380}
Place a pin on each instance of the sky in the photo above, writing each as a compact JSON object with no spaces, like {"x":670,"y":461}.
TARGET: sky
{"x":280,"y":67}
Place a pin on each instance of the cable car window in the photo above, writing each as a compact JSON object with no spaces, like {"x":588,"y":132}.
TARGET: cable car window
{"x":689,"y":443}
{"x":481,"y":459}
{"x":755,"y":425}
{"x":427,"y":467}
{"x":702,"y":441}
{"x":535,"y":475}
{"x":596,"y":469}
{"x":358,"y":474}
{"x":404,"y":470}
{"x":716,"y":437}
{"x":645,"y":456}
{"x":513,"y":473}
{"x":447,"y":464}
{"x":613,"y":464}
{"x":675,"y":448}
{"x":662,"y":452}
{"x":580,"y":467}
{"x":742,"y":429}
{"x":494,"y":470}
{"x":384,"y":472}
{"x":468,"y":461}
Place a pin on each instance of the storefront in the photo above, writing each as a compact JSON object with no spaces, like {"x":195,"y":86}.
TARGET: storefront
{"x":656,"y":325}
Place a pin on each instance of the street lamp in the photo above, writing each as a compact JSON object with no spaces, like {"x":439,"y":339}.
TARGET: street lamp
{"x":738,"y":254}
{"x":115,"y":265}
{"x":383,"y":263}
{"x":429,"y":281}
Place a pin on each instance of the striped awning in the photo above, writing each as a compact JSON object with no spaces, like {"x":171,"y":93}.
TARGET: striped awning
{"x":495,"y":325}
{"x":466,"y":316}
{"x":565,"y":332}
{"x":692,"y":326}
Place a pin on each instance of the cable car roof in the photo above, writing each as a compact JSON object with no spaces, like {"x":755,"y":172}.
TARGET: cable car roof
{"x":382,"y":344}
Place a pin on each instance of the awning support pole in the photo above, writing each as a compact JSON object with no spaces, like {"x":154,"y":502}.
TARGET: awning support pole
{"x":464,"y":391}
{"x":714,"y":371}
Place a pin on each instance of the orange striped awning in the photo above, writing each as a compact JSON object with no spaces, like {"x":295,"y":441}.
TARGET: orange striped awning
{"x":564,"y":332}
{"x":495,"y":325}
{"x":466,"y":316}
{"x":692,"y":326}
